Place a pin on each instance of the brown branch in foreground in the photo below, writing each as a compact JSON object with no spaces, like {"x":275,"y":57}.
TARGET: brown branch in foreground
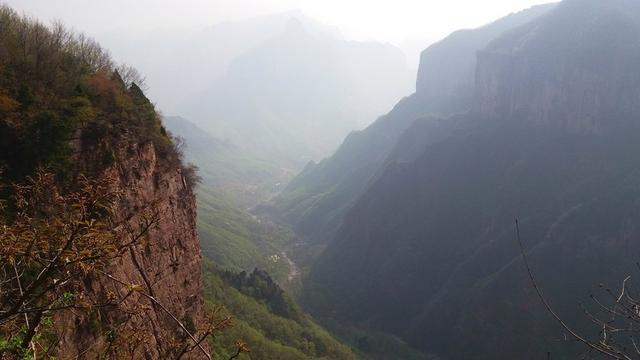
{"x":173,"y":317}
{"x":241,"y":348}
{"x":612,"y":353}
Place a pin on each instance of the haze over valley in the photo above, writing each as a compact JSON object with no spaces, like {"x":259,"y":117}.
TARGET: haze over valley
{"x":293,"y":179}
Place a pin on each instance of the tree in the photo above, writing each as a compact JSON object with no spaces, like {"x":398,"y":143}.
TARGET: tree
{"x":50,"y":242}
{"x":47,"y":242}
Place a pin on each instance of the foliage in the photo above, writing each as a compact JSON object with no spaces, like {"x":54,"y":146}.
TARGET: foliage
{"x":259,"y":285}
{"x":237,"y":241}
{"x":49,"y":242}
{"x":53,"y":243}
{"x":60,"y":92}
{"x":67,"y":108}
{"x":269,"y":335}
{"x":371,"y":344}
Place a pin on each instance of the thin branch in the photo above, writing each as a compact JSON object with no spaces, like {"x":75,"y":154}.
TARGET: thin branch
{"x":175,"y":319}
{"x":553,"y":313}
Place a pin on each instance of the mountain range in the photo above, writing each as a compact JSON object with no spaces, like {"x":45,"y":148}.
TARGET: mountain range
{"x":282,"y":88}
{"x":533,"y":117}
{"x":316,"y":200}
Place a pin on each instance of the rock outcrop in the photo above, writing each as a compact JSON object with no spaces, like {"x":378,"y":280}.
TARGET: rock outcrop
{"x":430,"y":246}
{"x":577,"y":68}
{"x":447,"y":68}
{"x":165,"y":263}
{"x":316,"y":201}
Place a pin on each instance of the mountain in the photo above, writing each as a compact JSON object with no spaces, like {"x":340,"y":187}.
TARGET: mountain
{"x":99,"y":245}
{"x":295,"y":96}
{"x":316,"y":200}
{"x":180,"y":63}
{"x":280,"y":85}
{"x":240,"y":243}
{"x":574,"y":76}
{"x":267,"y":319}
{"x":98,"y":214}
{"x":551,"y":139}
{"x":246,"y":178}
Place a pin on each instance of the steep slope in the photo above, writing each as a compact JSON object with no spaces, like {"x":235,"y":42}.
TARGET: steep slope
{"x":294,"y":97}
{"x":559,"y":70}
{"x":168,"y":262}
{"x":447,"y":69}
{"x":267,"y":319}
{"x":316,"y":200}
{"x":430,"y":247}
{"x":125,"y":281}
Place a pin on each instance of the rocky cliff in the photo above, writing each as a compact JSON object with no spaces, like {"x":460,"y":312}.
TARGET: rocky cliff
{"x":576,"y":68}
{"x":166,"y":263}
{"x":430,"y":246}
{"x":316,"y":201}
{"x":98,"y":246}
{"x":447,"y":68}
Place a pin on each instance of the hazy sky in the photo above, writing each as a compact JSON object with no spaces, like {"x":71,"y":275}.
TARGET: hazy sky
{"x":383,"y":20}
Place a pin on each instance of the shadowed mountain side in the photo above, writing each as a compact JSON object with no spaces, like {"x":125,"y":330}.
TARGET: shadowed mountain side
{"x":430,"y":246}
{"x":435,"y":237}
{"x":317,"y":199}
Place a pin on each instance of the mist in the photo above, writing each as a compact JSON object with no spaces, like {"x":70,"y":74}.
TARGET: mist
{"x":305,"y":179}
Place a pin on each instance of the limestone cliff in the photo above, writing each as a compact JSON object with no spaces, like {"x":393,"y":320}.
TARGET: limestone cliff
{"x":166,"y":263}
{"x":447,"y":68}
{"x":577,"y":67}
{"x":113,"y":275}
{"x":430,"y":246}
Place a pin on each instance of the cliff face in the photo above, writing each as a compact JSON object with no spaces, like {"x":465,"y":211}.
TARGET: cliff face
{"x":316,"y":201}
{"x":166,"y":263}
{"x":111,"y":264}
{"x":447,"y":68}
{"x":430,"y":245}
{"x":577,"y":68}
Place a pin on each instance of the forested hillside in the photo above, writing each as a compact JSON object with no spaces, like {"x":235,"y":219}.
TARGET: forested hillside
{"x":267,"y":319}
{"x":98,"y":248}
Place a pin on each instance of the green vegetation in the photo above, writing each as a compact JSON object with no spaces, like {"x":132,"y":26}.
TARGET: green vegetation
{"x":290,"y":336}
{"x":231,"y":182}
{"x":244,"y":177}
{"x":66,"y":116}
{"x":237,"y":241}
{"x":259,"y":285}
{"x":370,"y":344}
{"x":274,"y":327}
{"x":61,"y":93}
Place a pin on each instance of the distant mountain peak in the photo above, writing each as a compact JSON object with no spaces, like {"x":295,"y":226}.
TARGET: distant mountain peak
{"x":295,"y":26}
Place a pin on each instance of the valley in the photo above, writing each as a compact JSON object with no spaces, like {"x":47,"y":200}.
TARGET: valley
{"x":276,"y":189}
{"x":429,"y":192}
